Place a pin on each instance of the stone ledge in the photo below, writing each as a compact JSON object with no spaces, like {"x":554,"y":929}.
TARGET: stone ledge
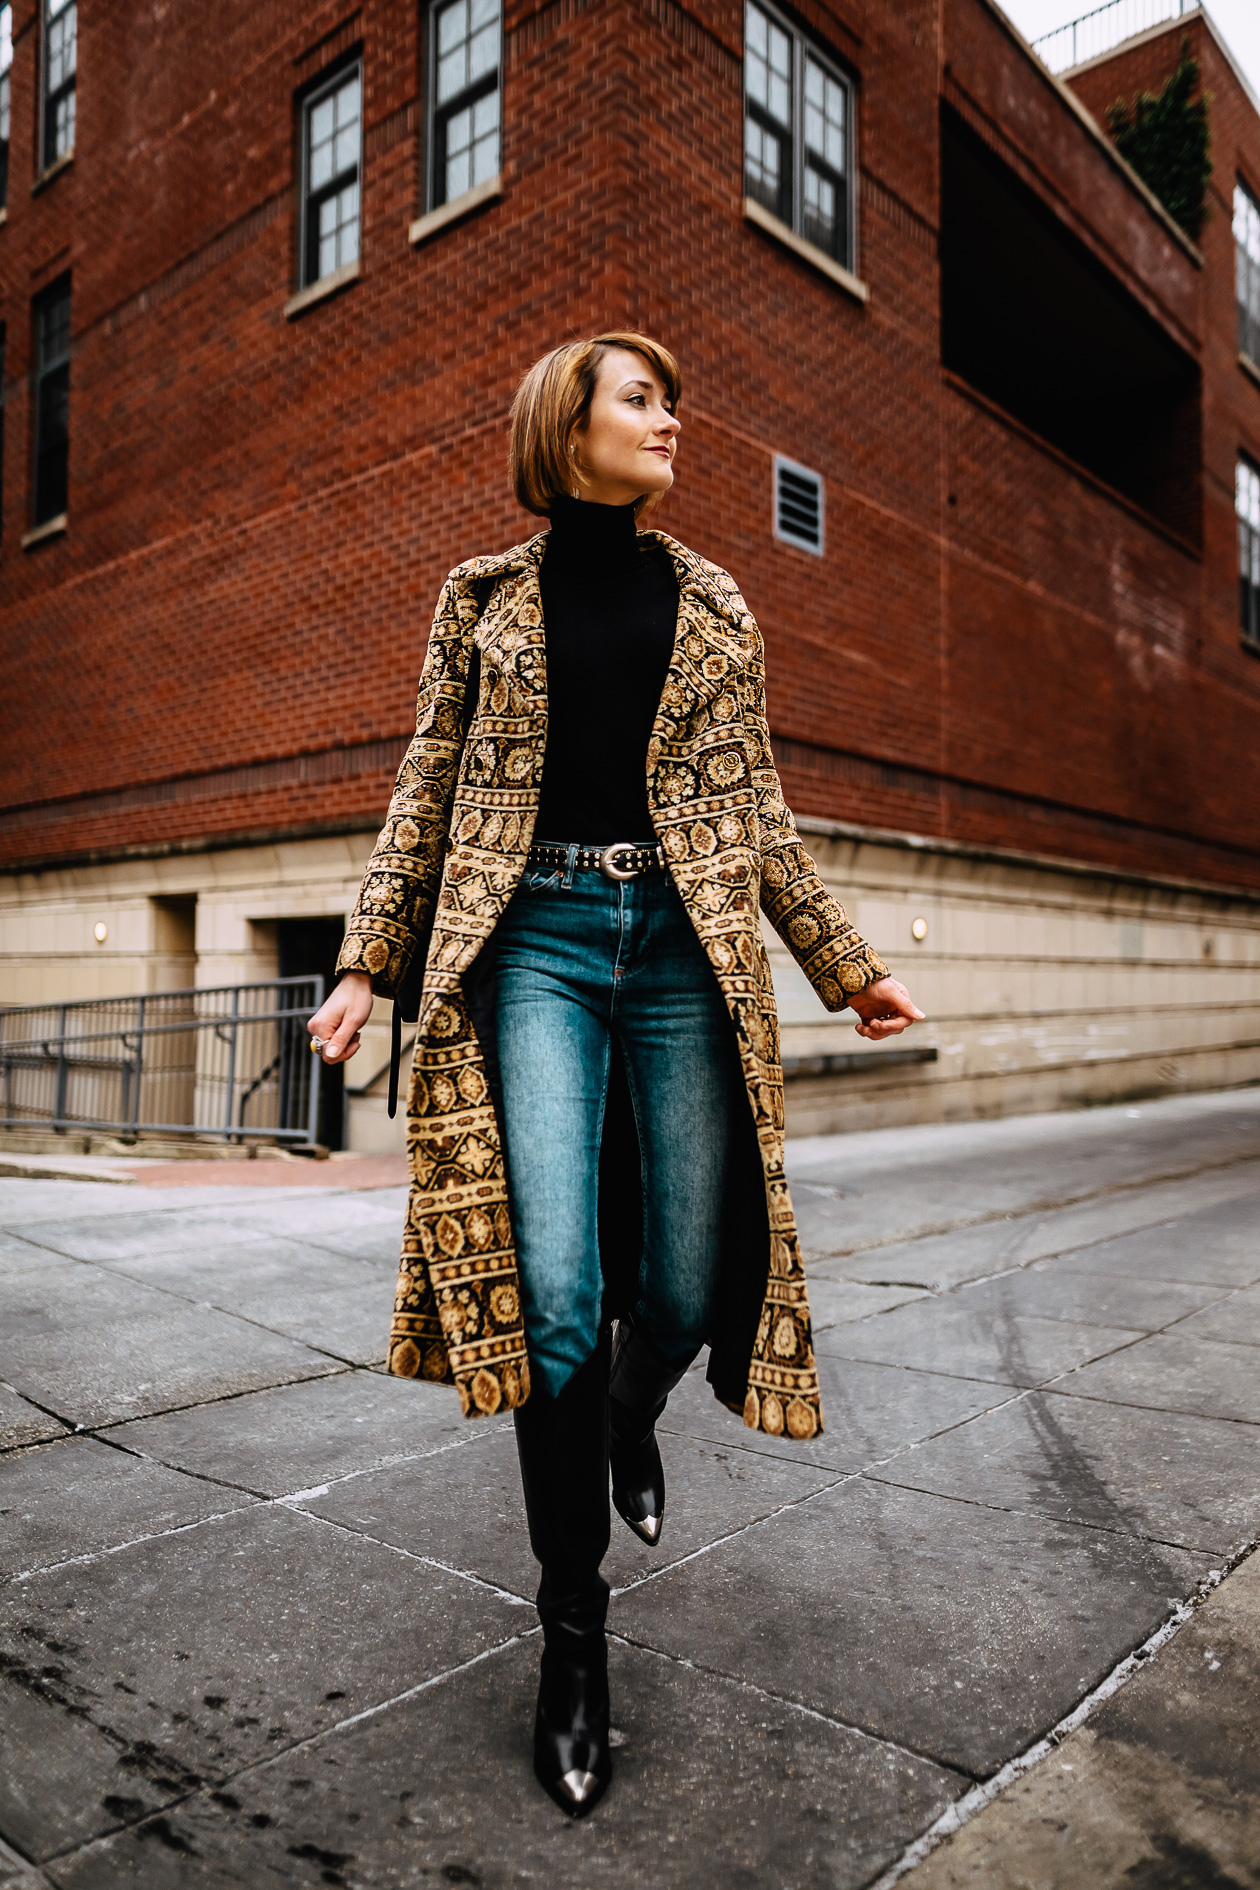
{"x":51,"y":528}
{"x":52,"y":173}
{"x":808,"y":252}
{"x":462,"y":206}
{"x":321,"y":290}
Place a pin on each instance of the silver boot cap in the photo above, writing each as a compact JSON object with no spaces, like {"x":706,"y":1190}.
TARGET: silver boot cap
{"x":578,"y":1785}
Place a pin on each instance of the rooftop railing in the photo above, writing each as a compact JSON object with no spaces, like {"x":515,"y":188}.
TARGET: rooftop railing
{"x":229,"y":1063}
{"x":1106,"y":27}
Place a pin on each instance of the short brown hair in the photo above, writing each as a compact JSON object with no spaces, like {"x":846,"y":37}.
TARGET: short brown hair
{"x":554,"y":398}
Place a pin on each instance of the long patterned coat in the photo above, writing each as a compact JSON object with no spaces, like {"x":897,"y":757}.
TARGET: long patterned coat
{"x":450,"y":854}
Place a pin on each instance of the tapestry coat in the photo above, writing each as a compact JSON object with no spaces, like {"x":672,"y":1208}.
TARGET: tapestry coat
{"x":450,"y":854}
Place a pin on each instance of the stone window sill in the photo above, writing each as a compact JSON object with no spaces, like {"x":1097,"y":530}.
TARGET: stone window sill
{"x":321,"y":290}
{"x":1250,"y":367}
{"x":425,"y":227}
{"x":4,"y":213}
{"x":52,"y":173}
{"x":809,"y":252}
{"x":51,"y":528}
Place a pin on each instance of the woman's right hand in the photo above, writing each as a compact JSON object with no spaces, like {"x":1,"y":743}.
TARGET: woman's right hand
{"x":342,"y":1016}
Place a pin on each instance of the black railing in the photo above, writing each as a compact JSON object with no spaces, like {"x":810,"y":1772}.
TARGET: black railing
{"x":229,"y":1062}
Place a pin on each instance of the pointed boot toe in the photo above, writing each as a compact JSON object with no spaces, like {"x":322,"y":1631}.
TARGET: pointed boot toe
{"x":638,"y":1489}
{"x":572,"y":1758}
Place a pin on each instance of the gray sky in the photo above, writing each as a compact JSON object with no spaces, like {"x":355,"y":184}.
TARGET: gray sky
{"x":1238,"y":22}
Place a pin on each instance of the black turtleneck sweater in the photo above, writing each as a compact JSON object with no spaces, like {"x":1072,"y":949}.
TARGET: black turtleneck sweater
{"x":610,"y":607}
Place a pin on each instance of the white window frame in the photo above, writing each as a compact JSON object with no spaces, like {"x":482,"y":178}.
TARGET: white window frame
{"x":805,"y":47}
{"x":330,"y":82}
{"x":435,"y":198}
{"x":6,"y":96}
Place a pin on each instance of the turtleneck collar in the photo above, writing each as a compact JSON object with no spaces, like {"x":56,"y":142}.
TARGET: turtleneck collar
{"x":589,"y":540}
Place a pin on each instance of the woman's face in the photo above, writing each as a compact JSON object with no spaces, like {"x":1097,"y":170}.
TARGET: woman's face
{"x":624,"y":447}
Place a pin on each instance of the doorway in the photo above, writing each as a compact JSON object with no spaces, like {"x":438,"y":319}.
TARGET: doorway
{"x":307,"y":948}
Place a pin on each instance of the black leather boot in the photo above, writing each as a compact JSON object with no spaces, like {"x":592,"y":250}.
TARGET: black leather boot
{"x":563,"y":1447}
{"x":639,"y":1385}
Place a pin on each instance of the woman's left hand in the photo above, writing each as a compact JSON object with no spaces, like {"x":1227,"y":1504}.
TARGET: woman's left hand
{"x":884,"y":1008}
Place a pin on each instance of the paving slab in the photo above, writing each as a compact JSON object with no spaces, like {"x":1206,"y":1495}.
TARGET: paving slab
{"x":95,"y":1346}
{"x":77,"y":1497}
{"x":1236,"y":1319}
{"x":910,"y":1182}
{"x":835,"y":1302}
{"x":870,"y":1411}
{"x":126,"y":1236}
{"x":1193,"y":1481}
{"x":26,"y":1203}
{"x":1052,"y":1291}
{"x":1218,"y":1245}
{"x":958,"y":1631}
{"x":466,"y":1511}
{"x":22,"y":1422}
{"x":201,"y":1652}
{"x":954,"y":1336}
{"x":714,"y":1783}
{"x":339,"y":1305}
{"x":1160,"y":1790}
{"x":292,"y":1437}
{"x":1006,"y":1240}
{"x":1168,"y":1372}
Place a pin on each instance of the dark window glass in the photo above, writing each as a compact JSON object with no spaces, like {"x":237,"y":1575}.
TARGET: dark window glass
{"x":332,"y":150}
{"x":52,"y":400}
{"x":1247,"y":271}
{"x":6,"y":83}
{"x":1247,"y":506}
{"x":798,"y":134}
{"x":61,"y":35}
{"x":464,"y":97}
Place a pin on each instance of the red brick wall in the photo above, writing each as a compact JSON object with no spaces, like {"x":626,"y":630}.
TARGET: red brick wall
{"x":226,"y":641}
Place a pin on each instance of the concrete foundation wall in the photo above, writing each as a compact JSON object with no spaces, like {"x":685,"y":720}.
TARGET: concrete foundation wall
{"x":1046,"y":985}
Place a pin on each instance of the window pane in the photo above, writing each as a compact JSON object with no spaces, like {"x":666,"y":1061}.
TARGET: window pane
{"x":52,"y":403}
{"x":768,"y":65}
{"x":1247,"y":222}
{"x":1247,"y":499}
{"x":62,"y":33}
{"x":6,"y":37}
{"x":824,"y":115}
{"x":467,"y":43}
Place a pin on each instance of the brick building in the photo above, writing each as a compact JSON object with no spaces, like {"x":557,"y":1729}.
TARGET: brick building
{"x":972,"y":420}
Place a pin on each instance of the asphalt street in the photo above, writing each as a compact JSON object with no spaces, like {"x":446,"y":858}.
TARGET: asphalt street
{"x":266,"y":1617}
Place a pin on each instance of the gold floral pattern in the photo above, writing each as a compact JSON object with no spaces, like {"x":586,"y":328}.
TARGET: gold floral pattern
{"x":452,"y":849}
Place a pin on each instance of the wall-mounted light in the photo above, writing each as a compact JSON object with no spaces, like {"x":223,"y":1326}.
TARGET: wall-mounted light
{"x":918,"y":929}
{"x":100,"y":931}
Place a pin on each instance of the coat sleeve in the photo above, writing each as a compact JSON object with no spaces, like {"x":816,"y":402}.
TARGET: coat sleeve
{"x":396,"y":900}
{"x":815,"y":927}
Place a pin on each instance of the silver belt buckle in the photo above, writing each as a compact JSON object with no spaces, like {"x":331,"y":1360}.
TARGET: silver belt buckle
{"x":609,"y":870}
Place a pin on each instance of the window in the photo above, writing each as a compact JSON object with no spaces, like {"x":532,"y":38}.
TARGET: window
{"x":464,"y":59}
{"x":6,"y":82}
{"x":52,"y":400}
{"x":61,"y":34}
{"x":798,"y":505}
{"x":1247,"y":505}
{"x":332,"y":144}
{"x":1247,"y":266}
{"x":798,"y":134}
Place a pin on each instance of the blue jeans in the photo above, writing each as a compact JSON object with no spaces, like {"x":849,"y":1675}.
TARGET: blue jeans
{"x":584,"y":971}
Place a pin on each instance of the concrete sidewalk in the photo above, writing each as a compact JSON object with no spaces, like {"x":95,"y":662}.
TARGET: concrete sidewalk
{"x":266,"y":1617}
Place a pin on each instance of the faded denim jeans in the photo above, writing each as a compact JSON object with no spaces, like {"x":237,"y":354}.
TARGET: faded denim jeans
{"x":584,"y":969}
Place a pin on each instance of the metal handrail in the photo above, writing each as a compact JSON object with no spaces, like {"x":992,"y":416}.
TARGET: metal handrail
{"x":190,"y":1062}
{"x":1102,"y":28}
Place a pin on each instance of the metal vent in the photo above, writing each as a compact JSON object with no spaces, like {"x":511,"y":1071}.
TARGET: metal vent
{"x":798,"y":505}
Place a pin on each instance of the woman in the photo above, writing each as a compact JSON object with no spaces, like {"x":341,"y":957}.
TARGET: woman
{"x":596,"y":1109}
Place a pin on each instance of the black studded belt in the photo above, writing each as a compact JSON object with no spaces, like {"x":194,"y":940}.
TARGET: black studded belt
{"x":622,"y":860}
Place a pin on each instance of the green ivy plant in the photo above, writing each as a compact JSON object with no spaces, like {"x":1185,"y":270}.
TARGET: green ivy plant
{"x":1166,"y":137}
